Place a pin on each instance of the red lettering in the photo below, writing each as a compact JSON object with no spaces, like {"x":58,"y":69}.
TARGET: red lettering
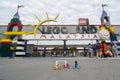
{"x":60,"y":36}
{"x":88,"y":36}
{"x":43,"y":36}
{"x":67,"y":37}
{"x":52,"y":36}
{"x":82,"y":36}
{"x":75,"y":36}
{"x":95,"y":36}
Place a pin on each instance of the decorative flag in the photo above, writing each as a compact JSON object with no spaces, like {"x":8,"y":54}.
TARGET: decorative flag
{"x":19,"y":6}
{"x":104,"y":5}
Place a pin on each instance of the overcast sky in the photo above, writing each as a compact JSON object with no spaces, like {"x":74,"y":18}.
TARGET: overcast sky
{"x":69,"y":10}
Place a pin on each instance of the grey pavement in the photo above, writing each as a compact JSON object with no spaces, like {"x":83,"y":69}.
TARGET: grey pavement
{"x":42,"y":69}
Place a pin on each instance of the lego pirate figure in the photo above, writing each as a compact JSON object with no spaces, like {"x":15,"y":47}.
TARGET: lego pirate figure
{"x":57,"y":66}
{"x":66,"y":65}
{"x":76,"y":65}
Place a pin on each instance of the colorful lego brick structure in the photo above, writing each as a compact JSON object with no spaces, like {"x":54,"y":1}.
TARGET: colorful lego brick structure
{"x":15,"y":21}
{"x":107,"y":30}
{"x":6,"y":49}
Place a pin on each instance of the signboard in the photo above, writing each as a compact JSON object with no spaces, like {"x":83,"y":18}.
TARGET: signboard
{"x":61,"y":36}
{"x":68,"y":29}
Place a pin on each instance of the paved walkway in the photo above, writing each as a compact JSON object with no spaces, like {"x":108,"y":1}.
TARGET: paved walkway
{"x":42,"y":69}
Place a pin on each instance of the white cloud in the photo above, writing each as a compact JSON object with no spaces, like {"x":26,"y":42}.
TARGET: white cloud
{"x":69,"y":10}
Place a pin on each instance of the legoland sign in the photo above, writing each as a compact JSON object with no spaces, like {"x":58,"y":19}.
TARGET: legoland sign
{"x":65,"y":33}
{"x":61,"y":36}
{"x":68,"y":29}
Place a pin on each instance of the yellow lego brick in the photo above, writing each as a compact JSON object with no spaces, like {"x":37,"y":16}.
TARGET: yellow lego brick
{"x":14,"y":33}
{"x":102,"y":28}
{"x":111,"y":29}
{"x":6,"y":40}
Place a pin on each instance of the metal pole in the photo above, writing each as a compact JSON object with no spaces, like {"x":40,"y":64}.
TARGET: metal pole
{"x":64,"y":48}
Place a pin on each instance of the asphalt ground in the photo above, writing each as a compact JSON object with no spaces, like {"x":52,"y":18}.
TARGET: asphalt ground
{"x":42,"y":69}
